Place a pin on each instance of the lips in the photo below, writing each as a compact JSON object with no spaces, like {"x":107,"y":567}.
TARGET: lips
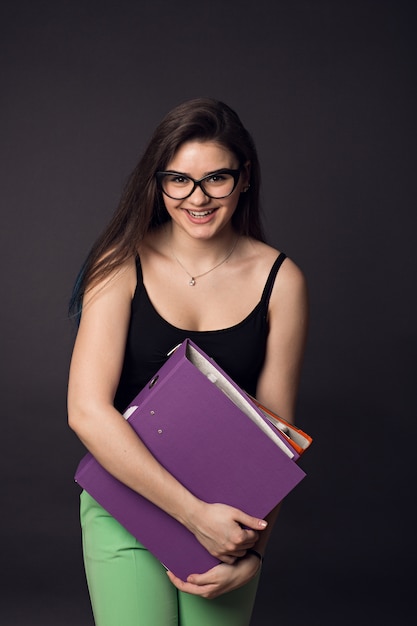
{"x":200,"y":214}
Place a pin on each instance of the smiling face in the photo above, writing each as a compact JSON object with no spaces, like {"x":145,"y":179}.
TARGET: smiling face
{"x":199,"y":215}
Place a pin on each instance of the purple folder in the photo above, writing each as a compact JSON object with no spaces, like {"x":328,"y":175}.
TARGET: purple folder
{"x":206,"y":432}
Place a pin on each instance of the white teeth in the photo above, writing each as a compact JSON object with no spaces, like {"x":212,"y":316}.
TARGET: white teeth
{"x":200,"y":213}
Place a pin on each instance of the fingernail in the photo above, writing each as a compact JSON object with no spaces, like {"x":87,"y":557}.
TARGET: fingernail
{"x":263,"y":524}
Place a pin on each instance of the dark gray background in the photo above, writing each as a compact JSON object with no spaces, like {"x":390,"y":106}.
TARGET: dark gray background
{"x":328,"y":89}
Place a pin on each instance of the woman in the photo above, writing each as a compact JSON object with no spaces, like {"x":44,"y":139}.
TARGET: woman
{"x":184,"y":256}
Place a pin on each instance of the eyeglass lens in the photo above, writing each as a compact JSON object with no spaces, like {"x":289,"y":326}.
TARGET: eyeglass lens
{"x":217,"y":185}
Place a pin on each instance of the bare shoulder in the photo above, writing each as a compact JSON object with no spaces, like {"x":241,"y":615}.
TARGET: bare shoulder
{"x":291,"y":277}
{"x":290,"y":286}
{"x":289,"y":302}
{"x":263,"y":256}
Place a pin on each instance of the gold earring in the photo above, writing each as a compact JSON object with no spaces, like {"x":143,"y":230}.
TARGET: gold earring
{"x":245,"y":189}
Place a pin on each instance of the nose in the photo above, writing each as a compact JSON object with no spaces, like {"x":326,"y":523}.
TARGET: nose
{"x":198,"y":197}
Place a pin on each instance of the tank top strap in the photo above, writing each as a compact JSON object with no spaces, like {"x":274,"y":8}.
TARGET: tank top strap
{"x":271,"y":280}
{"x":139,"y":275}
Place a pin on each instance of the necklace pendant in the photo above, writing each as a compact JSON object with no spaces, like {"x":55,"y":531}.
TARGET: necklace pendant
{"x":192,"y":282}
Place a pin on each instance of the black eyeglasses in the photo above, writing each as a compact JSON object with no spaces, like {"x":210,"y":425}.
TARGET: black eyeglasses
{"x":218,"y":184}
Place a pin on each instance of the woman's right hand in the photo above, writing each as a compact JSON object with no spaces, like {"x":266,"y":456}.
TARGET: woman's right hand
{"x":226,"y":532}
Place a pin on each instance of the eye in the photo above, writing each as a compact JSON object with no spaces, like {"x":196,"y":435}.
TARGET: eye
{"x":217,"y":178}
{"x":177,"y":179}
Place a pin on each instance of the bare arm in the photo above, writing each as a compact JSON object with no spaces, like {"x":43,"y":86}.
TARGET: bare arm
{"x":279,"y":380}
{"x":94,"y":375}
{"x":288,"y":320}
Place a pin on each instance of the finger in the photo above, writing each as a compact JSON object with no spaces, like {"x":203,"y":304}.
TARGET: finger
{"x":204,"y":580}
{"x":192,"y":588}
{"x":250,"y":537}
{"x":174,"y":579}
{"x":238,"y":554}
{"x":179,"y":584}
{"x":255,"y":523}
{"x":229,"y":559}
{"x":232,"y":557}
{"x":209,"y":577}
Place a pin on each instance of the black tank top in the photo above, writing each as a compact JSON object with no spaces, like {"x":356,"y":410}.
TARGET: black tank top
{"x":239,"y":350}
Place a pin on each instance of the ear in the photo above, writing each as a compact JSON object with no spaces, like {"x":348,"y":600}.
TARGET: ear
{"x":245,"y":176}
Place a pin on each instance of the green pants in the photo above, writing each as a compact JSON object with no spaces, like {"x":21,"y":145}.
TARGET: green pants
{"x":129,"y":587}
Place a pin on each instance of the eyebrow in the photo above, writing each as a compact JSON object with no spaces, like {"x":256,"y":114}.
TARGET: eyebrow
{"x":219,"y":169}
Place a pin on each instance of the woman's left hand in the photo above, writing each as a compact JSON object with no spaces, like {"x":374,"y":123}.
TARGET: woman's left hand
{"x":220,"y":579}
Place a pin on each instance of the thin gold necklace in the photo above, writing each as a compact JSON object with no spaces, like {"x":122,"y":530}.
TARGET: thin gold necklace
{"x":193,"y":278}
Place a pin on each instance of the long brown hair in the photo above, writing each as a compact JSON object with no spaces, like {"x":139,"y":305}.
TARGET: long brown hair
{"x":141,"y":207}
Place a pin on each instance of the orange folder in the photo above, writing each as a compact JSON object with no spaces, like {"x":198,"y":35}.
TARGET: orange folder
{"x":298,"y":439}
